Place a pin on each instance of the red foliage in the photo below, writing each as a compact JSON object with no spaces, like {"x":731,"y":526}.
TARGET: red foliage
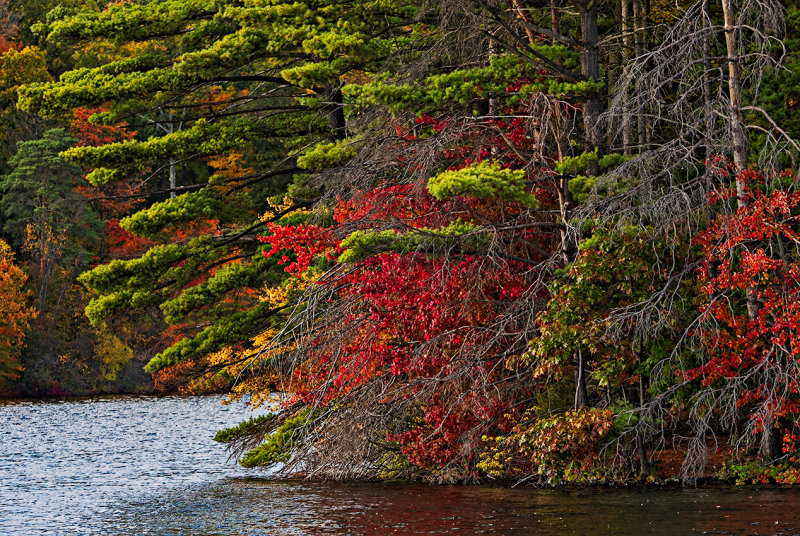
{"x":752,"y":250}
{"x":407,"y":203}
{"x":91,"y":134}
{"x":304,"y":241}
{"x":122,"y":244}
{"x":418,"y":323}
{"x":113,"y":200}
{"x":6,"y":45}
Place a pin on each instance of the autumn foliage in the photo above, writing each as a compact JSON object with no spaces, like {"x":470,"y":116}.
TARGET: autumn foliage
{"x":15,"y":315}
{"x":751,"y":257}
{"x":447,"y":241}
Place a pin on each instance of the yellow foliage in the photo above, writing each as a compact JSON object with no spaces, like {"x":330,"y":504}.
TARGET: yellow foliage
{"x":222,"y":357}
{"x":111,"y":353}
{"x":259,"y":388}
{"x":230,"y":166}
{"x":22,"y":67}
{"x":108,"y":50}
{"x":258,"y":379}
{"x":43,"y":243}
{"x":6,"y":252}
{"x":275,"y":295}
{"x":278,"y":206}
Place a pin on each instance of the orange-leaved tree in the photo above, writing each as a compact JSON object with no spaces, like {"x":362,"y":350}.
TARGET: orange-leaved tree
{"x":15,"y":313}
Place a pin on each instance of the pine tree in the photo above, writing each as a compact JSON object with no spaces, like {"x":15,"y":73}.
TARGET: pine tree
{"x":42,"y":210}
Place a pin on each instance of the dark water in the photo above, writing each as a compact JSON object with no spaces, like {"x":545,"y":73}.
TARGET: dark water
{"x":147,"y":466}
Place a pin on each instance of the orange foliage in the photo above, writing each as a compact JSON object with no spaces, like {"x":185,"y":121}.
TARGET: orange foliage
{"x":113,"y":200}
{"x":91,"y":134}
{"x":15,"y":314}
{"x":230,"y":166}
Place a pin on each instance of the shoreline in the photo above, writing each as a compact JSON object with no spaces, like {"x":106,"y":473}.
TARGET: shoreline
{"x":665,"y":479}
{"x":661,"y":484}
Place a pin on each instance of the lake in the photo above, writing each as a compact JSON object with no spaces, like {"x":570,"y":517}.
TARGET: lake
{"x":133,"y":465}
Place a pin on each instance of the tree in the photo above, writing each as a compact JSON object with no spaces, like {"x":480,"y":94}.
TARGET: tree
{"x":43,"y":212}
{"x":710,"y":116}
{"x":15,"y":314}
{"x":443,"y":152}
{"x":750,"y":255}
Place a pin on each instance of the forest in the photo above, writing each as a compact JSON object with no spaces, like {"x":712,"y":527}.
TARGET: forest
{"x":538,"y":241}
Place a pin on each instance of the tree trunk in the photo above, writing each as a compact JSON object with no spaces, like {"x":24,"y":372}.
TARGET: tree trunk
{"x":581,"y":395}
{"x":335,"y":109}
{"x":771,"y":448}
{"x":590,"y":69}
{"x":641,"y":441}
{"x":555,"y":16}
{"x":173,"y":179}
{"x":626,"y":51}
{"x":569,"y":246}
{"x":640,"y":44}
{"x":737,"y":124}
{"x":44,"y":248}
{"x":707,"y":89}
{"x":43,"y":281}
{"x":735,"y":91}
{"x":102,"y":234}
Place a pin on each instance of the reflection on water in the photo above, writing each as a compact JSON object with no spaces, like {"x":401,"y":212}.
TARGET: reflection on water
{"x":147,"y":466}
{"x":262,"y":507}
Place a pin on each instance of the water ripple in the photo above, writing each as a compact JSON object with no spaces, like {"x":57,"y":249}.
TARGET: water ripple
{"x":146,"y":466}
{"x":73,"y":463}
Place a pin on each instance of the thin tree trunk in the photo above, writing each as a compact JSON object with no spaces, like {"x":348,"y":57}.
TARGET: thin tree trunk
{"x":581,"y":395}
{"x":43,"y":280}
{"x":555,"y":16}
{"x":569,"y":249}
{"x":641,"y":441}
{"x":640,"y":43}
{"x":43,"y":253}
{"x":173,"y":179}
{"x":737,"y":124}
{"x":735,"y":91}
{"x":626,"y":50}
{"x":102,"y":234}
{"x":707,"y":94}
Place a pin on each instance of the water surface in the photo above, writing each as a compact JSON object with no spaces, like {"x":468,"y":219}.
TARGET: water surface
{"x":147,"y":466}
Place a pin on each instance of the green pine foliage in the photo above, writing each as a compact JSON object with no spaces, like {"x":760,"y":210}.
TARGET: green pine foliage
{"x":39,"y":196}
{"x":483,"y":180}
{"x":363,"y":244}
{"x":235,"y":432}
